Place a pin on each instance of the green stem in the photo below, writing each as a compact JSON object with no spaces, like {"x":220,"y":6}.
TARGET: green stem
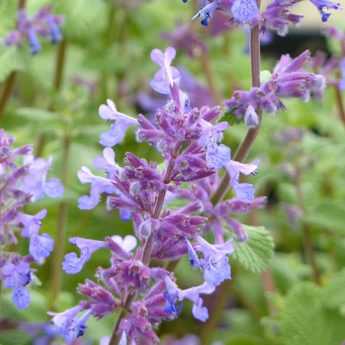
{"x":60,"y":65}
{"x":340,"y":104}
{"x":10,"y":81}
{"x":108,"y":38}
{"x":252,"y":133}
{"x":7,"y":91}
{"x":60,"y":229}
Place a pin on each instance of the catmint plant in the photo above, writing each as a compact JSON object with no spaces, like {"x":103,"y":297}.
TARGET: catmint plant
{"x":44,"y":23}
{"x":189,"y":142}
{"x":23,"y":180}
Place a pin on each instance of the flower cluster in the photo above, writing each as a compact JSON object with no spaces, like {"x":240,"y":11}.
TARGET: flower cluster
{"x":276,"y":16}
{"x":332,"y":68}
{"x":288,"y":80}
{"x":189,"y":141}
{"x":23,"y":179}
{"x":44,"y":23}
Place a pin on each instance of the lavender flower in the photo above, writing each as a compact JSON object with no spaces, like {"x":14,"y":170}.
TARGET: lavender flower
{"x":288,"y":80}
{"x":190,"y":143}
{"x":277,"y":16}
{"x":23,"y":179}
{"x":332,"y":68}
{"x":240,"y":11}
{"x":323,"y":6}
{"x":44,"y":23}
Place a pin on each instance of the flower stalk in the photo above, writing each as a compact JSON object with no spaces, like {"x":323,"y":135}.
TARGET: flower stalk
{"x":11,"y":79}
{"x":241,"y":153}
{"x":60,"y":228}
{"x":340,"y":104}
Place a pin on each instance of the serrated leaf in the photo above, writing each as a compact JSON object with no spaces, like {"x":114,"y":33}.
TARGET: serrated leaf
{"x":256,"y":253}
{"x":305,"y":320}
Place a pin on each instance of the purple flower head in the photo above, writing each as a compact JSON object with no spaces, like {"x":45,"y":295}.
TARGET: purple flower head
{"x":175,"y":295}
{"x":73,"y":264}
{"x":36,"y":182}
{"x":100,"y":301}
{"x":288,"y":80}
{"x":31,"y":224}
{"x":251,"y":118}
{"x":245,"y":11}
{"x":207,"y":12}
{"x":70,"y":324}
{"x":23,"y":180}
{"x":44,"y":23}
{"x":167,"y":76}
{"x":277,"y":16}
{"x":40,"y":247}
{"x":323,"y":6}
{"x":98,"y":184}
{"x":189,"y":140}
{"x":215,"y":262}
{"x":16,"y":275}
{"x":121,"y":123}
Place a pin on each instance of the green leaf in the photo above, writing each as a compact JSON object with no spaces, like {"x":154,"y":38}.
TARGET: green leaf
{"x":305,"y":320}
{"x":328,"y":215}
{"x":10,"y":61}
{"x":333,"y":294}
{"x":256,"y":253}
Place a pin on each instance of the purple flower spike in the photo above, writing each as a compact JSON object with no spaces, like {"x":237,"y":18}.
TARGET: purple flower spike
{"x":23,"y":180}
{"x":44,"y":23}
{"x":189,"y":140}
{"x":121,"y":123}
{"x":73,"y":264}
{"x":277,"y":16}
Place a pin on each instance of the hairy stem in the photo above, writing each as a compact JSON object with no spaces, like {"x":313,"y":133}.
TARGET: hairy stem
{"x":60,"y":229}
{"x":252,"y":133}
{"x":7,"y":91}
{"x":147,"y":252}
{"x":21,"y":4}
{"x":241,"y":153}
{"x":340,"y":104}
{"x":60,"y":65}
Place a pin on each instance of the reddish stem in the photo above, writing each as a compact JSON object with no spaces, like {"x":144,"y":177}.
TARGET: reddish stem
{"x":340,"y":104}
